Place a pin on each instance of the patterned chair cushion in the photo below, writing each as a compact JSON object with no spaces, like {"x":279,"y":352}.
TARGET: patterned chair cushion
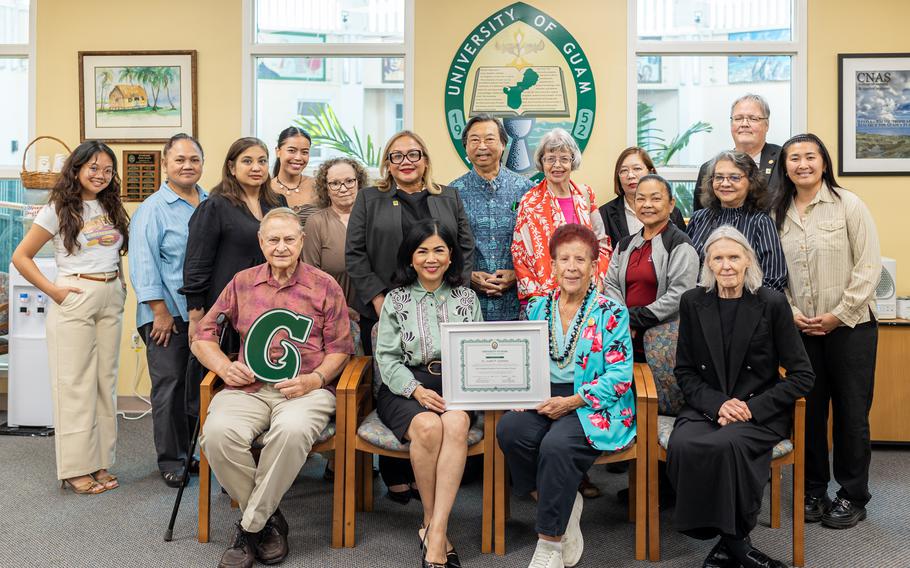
{"x":665,"y":428}
{"x":375,"y":432}
{"x":660,"y":352}
{"x":326,"y":433}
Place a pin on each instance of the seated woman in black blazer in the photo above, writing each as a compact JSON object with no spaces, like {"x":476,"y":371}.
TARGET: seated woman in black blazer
{"x":734,"y":334}
{"x":404,"y":195}
{"x":619,"y":214}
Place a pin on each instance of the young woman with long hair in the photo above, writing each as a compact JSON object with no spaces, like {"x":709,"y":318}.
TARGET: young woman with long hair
{"x":89,"y":227}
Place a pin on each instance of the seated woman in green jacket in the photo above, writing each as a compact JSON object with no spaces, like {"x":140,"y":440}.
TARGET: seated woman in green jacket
{"x":430,"y":291}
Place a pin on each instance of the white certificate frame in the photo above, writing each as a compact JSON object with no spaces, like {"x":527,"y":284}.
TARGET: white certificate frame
{"x":525,"y":387}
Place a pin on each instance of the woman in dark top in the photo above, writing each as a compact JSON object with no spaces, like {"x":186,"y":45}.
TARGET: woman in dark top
{"x":619,"y":214}
{"x":381,"y":217}
{"x":223,"y":231}
{"x":734,"y":335}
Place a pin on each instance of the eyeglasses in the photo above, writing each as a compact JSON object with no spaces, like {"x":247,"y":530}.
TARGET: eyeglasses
{"x":95,"y":170}
{"x":553,"y":160}
{"x":336,"y":186}
{"x":735,"y":178}
{"x":637,"y":170}
{"x":741,"y":118}
{"x":413,"y":156}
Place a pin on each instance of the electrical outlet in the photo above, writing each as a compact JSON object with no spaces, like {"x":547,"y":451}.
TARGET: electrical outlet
{"x":136,"y":341}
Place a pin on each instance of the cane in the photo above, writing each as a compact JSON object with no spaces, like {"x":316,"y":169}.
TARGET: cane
{"x":169,"y":533}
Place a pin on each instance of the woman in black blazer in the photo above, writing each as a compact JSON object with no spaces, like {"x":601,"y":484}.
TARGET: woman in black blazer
{"x":633,"y":164}
{"x":379,"y":220}
{"x":734,"y":335}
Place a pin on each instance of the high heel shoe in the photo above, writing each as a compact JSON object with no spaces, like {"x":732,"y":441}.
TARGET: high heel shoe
{"x":424,"y":563}
{"x":452,"y":560}
{"x":88,"y":488}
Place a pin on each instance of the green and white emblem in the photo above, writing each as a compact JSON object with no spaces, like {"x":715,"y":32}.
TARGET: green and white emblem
{"x":523,"y":66}
{"x":260,"y":336}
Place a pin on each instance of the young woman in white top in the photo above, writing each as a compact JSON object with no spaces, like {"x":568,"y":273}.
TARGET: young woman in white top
{"x":88,"y":224}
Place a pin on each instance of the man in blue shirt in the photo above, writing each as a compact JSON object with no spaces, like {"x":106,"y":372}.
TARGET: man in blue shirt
{"x":491,"y":193}
{"x":158,"y":234}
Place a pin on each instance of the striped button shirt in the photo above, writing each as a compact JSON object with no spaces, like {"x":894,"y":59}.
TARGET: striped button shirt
{"x":758,"y":228}
{"x":833,"y":256}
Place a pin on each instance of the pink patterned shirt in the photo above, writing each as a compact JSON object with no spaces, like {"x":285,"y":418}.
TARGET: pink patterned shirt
{"x":310,"y":292}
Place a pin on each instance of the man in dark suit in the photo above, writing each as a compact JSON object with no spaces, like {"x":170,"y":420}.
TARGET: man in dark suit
{"x":749,"y":120}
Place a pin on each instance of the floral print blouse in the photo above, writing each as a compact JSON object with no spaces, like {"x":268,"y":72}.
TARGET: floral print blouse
{"x":539,"y":215}
{"x":408,"y":333}
{"x":603,"y":371}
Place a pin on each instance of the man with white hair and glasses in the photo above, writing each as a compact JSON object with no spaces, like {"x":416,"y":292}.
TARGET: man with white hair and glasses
{"x":749,"y":122}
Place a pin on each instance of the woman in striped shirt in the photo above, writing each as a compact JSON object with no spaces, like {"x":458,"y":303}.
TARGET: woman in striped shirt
{"x":735,"y":194}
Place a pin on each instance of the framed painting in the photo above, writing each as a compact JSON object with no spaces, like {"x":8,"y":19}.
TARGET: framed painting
{"x":873,"y":93}
{"x":136,"y":96}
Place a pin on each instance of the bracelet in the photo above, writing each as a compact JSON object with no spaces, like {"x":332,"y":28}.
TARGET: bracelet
{"x":321,"y":376}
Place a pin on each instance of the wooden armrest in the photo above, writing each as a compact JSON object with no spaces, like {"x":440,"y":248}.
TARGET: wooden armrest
{"x":357,"y":372}
{"x":645,"y":389}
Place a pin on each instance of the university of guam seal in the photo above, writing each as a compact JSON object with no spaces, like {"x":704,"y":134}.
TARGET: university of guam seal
{"x":259,"y":338}
{"x":523,"y":66}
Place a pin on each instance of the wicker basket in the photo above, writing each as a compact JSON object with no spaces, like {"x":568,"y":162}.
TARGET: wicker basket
{"x":40,"y":180}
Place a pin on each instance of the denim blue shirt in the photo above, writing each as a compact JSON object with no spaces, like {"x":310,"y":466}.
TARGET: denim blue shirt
{"x":491,"y":207}
{"x":158,"y":233}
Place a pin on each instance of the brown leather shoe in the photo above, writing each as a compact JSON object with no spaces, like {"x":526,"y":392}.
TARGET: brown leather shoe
{"x":272,"y":546}
{"x":240,"y":553}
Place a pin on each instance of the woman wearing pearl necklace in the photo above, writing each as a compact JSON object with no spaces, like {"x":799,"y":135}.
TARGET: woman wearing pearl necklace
{"x":591,"y":410}
{"x":292,"y":154}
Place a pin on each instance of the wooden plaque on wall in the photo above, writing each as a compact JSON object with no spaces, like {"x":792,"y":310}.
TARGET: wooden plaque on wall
{"x":141,"y":174}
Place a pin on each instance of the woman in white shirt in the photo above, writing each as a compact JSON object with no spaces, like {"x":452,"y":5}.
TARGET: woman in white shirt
{"x":88,"y":225}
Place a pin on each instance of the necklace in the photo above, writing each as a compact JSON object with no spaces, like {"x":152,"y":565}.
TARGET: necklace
{"x":287,"y":189}
{"x":568,"y":354}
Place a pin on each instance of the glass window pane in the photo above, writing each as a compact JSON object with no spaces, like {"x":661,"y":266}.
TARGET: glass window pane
{"x":349,"y":105}
{"x":684,"y":103}
{"x":14,"y":102}
{"x":14,"y":21}
{"x":715,"y":20}
{"x":330,"y":21}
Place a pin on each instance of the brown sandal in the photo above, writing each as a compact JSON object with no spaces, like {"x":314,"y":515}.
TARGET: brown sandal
{"x":107,"y":480}
{"x":88,"y":488}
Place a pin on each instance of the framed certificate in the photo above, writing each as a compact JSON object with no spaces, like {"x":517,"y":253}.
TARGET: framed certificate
{"x":495,"y":365}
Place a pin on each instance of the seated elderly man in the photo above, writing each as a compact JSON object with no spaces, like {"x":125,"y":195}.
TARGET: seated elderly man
{"x":313,"y":318}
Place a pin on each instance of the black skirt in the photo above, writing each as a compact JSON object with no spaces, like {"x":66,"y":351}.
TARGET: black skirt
{"x":719,"y":473}
{"x":396,"y":411}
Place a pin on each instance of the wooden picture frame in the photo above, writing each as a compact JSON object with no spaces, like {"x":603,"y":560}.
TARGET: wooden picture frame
{"x":873,"y":131}
{"x":137,"y":97}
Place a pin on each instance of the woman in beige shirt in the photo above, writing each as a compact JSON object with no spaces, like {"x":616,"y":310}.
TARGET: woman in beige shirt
{"x":833,"y":259}
{"x":336,"y":186}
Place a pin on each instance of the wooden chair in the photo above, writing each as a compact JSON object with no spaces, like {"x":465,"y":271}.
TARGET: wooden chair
{"x":636,"y":452}
{"x":660,"y":349}
{"x":367,"y":435}
{"x":330,"y":440}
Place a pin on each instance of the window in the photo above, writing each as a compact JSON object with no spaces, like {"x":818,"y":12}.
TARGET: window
{"x":693,"y":58}
{"x":336,"y":68}
{"x":15,"y":52}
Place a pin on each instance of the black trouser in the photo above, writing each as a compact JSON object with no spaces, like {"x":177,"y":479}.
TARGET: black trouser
{"x":549,"y":456}
{"x":844,"y":365}
{"x":171,"y":425}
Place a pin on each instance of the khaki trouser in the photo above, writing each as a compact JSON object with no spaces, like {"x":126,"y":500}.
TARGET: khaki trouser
{"x":235,"y":418}
{"x":83,"y":344}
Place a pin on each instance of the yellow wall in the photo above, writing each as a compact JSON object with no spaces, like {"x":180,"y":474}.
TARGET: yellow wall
{"x":213,"y":27}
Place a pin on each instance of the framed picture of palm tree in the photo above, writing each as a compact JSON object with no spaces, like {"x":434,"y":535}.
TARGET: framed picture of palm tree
{"x":136,"y":96}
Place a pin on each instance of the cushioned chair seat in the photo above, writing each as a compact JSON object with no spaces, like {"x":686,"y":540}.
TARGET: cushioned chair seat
{"x":665,"y":428}
{"x":375,"y":432}
{"x":326,"y":433}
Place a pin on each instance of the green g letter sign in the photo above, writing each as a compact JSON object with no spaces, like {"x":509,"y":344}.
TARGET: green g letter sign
{"x":259,"y":338}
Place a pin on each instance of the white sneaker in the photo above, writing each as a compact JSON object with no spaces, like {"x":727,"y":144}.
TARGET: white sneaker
{"x":546,"y":557}
{"x":573,"y":543}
